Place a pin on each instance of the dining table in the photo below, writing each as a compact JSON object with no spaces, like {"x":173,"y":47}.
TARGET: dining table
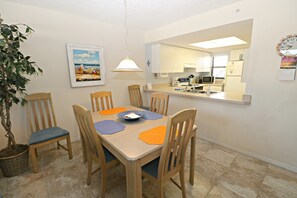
{"x":132,"y":152}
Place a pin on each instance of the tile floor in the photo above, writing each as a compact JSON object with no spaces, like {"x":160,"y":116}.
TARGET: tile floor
{"x":219,"y":172}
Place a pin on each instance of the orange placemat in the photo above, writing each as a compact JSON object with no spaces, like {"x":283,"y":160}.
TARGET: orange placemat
{"x":154,"y":136}
{"x":113,"y":111}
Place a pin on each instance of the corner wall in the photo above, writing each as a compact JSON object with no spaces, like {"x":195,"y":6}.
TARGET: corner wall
{"x":266,"y":129}
{"x":47,"y":47}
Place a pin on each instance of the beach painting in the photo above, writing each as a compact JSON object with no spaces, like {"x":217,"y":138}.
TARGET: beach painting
{"x":86,"y":65}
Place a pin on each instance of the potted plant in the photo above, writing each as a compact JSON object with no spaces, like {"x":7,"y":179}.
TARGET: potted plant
{"x":15,"y":68}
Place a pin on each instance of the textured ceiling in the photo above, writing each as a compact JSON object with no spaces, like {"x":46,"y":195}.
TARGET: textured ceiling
{"x":142,"y":14}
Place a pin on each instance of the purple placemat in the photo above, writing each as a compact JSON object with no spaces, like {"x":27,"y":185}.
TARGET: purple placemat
{"x":109,"y":127}
{"x":149,"y":115}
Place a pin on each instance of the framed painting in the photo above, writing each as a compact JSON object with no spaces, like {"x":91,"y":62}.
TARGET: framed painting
{"x":86,"y":65}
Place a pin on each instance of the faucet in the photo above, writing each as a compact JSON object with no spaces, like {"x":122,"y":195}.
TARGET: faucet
{"x":188,"y":86}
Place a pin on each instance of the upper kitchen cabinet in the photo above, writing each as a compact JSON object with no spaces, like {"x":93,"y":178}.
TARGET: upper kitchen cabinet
{"x":166,"y":59}
{"x":171,"y":59}
{"x":205,"y":62}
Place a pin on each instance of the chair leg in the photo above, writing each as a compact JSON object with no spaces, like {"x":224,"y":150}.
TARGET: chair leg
{"x":89,"y":169}
{"x":83,"y":146}
{"x":34,"y":160}
{"x":160,"y":189}
{"x":36,"y":152}
{"x":69,"y":147}
{"x":103,"y":182}
{"x":58,"y":145}
{"x":182,"y":182}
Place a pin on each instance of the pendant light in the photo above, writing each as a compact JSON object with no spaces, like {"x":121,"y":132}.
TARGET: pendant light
{"x":127,"y":64}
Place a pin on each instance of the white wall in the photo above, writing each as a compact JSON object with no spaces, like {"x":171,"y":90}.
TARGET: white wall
{"x":47,"y":46}
{"x":267,"y":128}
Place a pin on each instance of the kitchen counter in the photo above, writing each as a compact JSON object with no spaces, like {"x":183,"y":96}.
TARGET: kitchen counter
{"x":234,"y":98}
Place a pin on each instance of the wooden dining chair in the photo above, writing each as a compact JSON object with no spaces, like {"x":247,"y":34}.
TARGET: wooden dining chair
{"x":95,"y":150}
{"x":101,"y":100}
{"x":135,"y":97}
{"x":172,"y":160}
{"x":159,"y":103}
{"x":43,"y":126}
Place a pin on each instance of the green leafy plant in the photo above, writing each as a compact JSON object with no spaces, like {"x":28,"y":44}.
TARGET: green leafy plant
{"x":15,"y":68}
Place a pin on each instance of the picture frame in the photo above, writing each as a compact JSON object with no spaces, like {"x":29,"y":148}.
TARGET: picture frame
{"x":86,"y":65}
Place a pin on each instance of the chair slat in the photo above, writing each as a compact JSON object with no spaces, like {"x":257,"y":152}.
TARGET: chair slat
{"x":48,"y":114}
{"x":135,"y":96}
{"x":35,"y":116}
{"x":101,"y":100}
{"x":159,"y":102}
{"x":41,"y":114}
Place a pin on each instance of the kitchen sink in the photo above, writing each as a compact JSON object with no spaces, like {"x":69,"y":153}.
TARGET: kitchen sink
{"x":197,"y":91}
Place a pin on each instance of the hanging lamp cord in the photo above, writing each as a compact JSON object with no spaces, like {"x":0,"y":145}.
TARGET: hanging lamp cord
{"x":126,"y":28}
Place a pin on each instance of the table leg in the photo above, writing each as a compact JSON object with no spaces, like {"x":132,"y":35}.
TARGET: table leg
{"x":192,"y":158}
{"x":133,"y":178}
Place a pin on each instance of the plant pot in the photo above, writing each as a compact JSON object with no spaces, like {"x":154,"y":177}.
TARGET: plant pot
{"x":17,"y":164}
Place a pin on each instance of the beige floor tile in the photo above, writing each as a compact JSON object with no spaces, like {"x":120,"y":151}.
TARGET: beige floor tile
{"x":280,"y":182}
{"x":219,"y":156}
{"x":239,"y":185}
{"x":219,"y":172}
{"x":202,"y":146}
{"x":208,"y":168}
{"x":216,"y":146}
{"x":249,"y":163}
{"x":35,"y":189}
{"x":221,"y":192}
{"x":201,"y":187}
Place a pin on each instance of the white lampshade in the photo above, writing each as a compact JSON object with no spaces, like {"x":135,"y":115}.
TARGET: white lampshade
{"x":127,"y":65}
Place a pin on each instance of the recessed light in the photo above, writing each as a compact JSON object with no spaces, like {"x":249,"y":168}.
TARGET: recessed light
{"x":228,"y":41}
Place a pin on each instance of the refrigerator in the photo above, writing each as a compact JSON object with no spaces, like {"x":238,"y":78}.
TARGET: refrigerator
{"x":233,"y":77}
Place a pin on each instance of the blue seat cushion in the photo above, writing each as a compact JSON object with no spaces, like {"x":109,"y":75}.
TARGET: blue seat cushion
{"x":47,"y":134}
{"x":151,"y":168}
{"x":145,"y":108}
{"x":108,"y":155}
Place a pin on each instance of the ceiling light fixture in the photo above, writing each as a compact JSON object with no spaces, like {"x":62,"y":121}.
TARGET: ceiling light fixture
{"x":127,"y":64}
{"x":223,"y":42}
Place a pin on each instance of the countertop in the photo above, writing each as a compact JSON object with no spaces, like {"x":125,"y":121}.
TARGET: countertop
{"x":227,"y":97}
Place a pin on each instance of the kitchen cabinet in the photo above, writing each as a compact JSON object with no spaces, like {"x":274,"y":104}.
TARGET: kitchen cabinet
{"x":166,"y":59}
{"x":171,"y":59}
{"x":204,"y":63}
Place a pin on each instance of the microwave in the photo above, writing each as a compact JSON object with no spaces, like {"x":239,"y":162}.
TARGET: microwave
{"x":208,"y":79}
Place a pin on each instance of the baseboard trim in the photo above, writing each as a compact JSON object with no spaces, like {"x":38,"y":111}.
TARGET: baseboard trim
{"x":260,"y":157}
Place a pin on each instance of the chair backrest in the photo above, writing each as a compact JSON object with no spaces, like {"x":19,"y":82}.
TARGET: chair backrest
{"x":40,"y":111}
{"x":159,"y":102}
{"x":135,"y":95}
{"x":101,"y":100}
{"x":89,"y":134}
{"x":178,"y":132}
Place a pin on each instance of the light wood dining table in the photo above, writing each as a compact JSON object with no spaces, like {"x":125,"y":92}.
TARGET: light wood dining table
{"x":132,"y":152}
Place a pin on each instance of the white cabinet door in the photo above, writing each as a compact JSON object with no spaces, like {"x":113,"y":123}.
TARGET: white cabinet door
{"x":166,"y":59}
{"x":204,"y":62}
{"x":234,"y":68}
{"x":171,"y":59}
